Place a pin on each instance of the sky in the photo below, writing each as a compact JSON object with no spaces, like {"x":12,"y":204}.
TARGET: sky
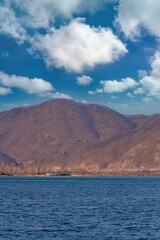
{"x":95,"y":51}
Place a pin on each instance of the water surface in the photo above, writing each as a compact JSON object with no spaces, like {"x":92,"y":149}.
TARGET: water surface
{"x":87,"y":208}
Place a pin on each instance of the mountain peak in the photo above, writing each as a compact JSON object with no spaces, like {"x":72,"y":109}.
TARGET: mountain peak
{"x":64,"y":135}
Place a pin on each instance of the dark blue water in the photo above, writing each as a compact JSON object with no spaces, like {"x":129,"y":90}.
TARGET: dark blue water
{"x":80,"y":208}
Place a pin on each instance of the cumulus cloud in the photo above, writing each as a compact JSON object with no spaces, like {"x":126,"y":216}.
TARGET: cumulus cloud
{"x":58,"y":95}
{"x":111,"y":86}
{"x":74,"y":47}
{"x":5,"y":91}
{"x":139,"y":90}
{"x":90,"y":92}
{"x":84,"y":80}
{"x":31,"y":86}
{"x":10,"y":26}
{"x":136,"y":15}
{"x":148,"y":84}
{"x":151,"y":82}
{"x":37,"y":14}
{"x":77,"y":46}
{"x":41,"y":13}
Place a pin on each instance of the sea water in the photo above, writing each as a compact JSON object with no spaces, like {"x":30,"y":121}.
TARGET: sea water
{"x":86,"y":208}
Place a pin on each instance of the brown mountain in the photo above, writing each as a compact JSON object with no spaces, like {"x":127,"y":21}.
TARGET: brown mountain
{"x":136,"y":151}
{"x":66,"y":136}
{"x":8,"y":164}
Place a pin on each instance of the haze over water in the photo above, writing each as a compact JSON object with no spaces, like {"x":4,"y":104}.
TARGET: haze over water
{"x":79,"y":208}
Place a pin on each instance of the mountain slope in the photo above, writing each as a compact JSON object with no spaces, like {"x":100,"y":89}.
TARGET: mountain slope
{"x":63,"y":135}
{"x":138,"y":150}
{"x":24,"y":131}
{"x":8,"y":164}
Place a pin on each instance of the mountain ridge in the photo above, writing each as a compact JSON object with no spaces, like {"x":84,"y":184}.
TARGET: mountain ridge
{"x":66,"y":136}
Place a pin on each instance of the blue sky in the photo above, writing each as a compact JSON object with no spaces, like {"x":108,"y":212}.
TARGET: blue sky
{"x":100,"y":51}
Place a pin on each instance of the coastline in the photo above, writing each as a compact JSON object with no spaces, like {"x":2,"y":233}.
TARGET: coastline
{"x":117,"y":173}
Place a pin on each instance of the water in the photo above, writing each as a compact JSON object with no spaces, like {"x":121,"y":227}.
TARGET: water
{"x":86,"y":208}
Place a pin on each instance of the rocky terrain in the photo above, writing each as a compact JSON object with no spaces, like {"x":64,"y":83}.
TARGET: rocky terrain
{"x":66,"y":137}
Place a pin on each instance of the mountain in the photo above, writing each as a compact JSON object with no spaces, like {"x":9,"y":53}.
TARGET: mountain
{"x":62,"y":136}
{"x":8,"y":164}
{"x":136,"y":151}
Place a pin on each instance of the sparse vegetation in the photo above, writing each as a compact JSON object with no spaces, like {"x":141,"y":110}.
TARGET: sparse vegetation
{"x":84,"y":144}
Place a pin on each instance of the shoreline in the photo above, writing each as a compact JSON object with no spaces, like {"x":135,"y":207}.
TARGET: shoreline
{"x":124,"y":173}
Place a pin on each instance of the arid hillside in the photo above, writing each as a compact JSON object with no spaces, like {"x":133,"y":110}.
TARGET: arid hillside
{"x":66,"y":136}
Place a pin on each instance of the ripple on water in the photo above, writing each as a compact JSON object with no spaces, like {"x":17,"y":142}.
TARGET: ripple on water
{"x":80,"y":208}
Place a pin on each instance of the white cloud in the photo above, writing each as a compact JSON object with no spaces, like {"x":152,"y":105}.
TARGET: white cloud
{"x":139,"y":90}
{"x":42,"y":13}
{"x":91,"y":92}
{"x":151,"y":82}
{"x":99,"y":90}
{"x":10,"y":26}
{"x":111,"y":86}
{"x":58,"y":95}
{"x":142,"y":73}
{"x":131,"y":95}
{"x":5,"y":91}
{"x":151,"y":85}
{"x":77,"y":46}
{"x":135,"y":15}
{"x":31,"y":86}
{"x":74,"y":47}
{"x":84,"y":80}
